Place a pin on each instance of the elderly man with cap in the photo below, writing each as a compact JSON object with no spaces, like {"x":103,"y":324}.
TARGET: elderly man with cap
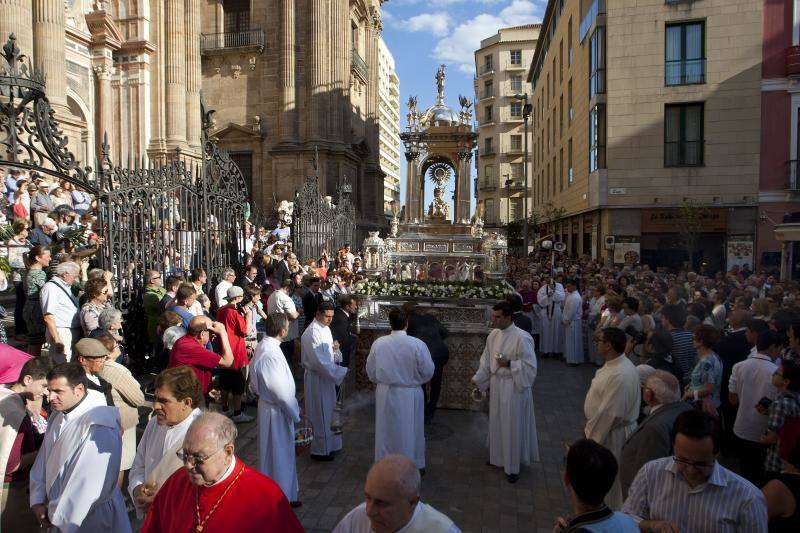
{"x":61,"y":311}
{"x":571,"y":319}
{"x":392,"y":494}
{"x":25,"y":384}
{"x":41,"y":204}
{"x":232,"y":380}
{"x":92,"y":355}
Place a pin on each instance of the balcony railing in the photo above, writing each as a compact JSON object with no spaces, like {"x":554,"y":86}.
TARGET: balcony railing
{"x":598,"y":7}
{"x":359,"y":65}
{"x":514,"y":150}
{"x":487,"y":185}
{"x":485,"y":69}
{"x":685,"y":72}
{"x":793,"y":61}
{"x":792,"y":176}
{"x":489,"y":93}
{"x":487,"y":151}
{"x":210,"y":42}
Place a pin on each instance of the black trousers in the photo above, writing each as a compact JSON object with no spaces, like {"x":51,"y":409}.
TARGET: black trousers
{"x":432,"y":398}
{"x":751,"y":460}
{"x":288,"y":351}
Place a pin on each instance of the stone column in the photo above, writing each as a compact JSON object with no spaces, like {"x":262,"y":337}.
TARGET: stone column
{"x":340,"y":68}
{"x":318,"y":68}
{"x":374,"y":175}
{"x":411,"y":187}
{"x":49,"y":42}
{"x":461,"y":205}
{"x":287,"y":117}
{"x":104,"y":123}
{"x":16,"y":18}
{"x":193,"y":73}
{"x":175,"y":73}
{"x":157,"y":98}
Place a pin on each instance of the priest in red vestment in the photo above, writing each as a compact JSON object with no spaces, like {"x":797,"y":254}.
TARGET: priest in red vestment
{"x":215,"y":492}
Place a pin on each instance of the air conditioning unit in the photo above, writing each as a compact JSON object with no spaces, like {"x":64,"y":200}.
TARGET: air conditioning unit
{"x":610,"y":241}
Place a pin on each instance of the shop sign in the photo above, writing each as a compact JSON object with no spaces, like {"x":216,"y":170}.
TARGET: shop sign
{"x":627,"y":251}
{"x":712,"y":220}
{"x":740,"y":251}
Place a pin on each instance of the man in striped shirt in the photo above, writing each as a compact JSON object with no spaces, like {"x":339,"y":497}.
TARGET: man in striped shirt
{"x":691,"y":491}
{"x":673,"y":317}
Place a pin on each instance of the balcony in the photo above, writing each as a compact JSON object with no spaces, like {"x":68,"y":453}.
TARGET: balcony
{"x":359,"y":66}
{"x":487,"y":185}
{"x":598,"y":7}
{"x":513,"y":151}
{"x":793,"y":61}
{"x":516,"y":184}
{"x":487,"y":94}
{"x":793,"y":176}
{"x":486,"y":69}
{"x":685,"y":72}
{"x":487,"y":152}
{"x":486,"y":122}
{"x":515,"y":66}
{"x":216,"y":43}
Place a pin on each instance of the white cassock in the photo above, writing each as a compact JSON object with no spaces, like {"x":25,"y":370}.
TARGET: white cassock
{"x":75,"y":472}
{"x":611,"y":409}
{"x":156,"y":456}
{"x":573,"y":330}
{"x":425,"y":519}
{"x":550,"y":300}
{"x":319,"y":386}
{"x":400,"y":365}
{"x":512,"y":425}
{"x":278,"y":411}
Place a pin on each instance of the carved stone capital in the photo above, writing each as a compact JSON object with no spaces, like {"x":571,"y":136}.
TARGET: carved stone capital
{"x":103,"y":72}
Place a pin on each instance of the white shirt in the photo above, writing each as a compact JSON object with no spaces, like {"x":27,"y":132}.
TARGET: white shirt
{"x":280,"y":302}
{"x":751,"y":380}
{"x":55,"y":299}
{"x":221,"y":292}
{"x":357,"y":521}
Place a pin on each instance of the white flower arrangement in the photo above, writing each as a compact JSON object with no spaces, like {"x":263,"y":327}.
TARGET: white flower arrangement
{"x":434,"y":289}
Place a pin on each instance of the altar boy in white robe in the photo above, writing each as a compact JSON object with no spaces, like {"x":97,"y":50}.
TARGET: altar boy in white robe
{"x":400,"y":365}
{"x":74,"y":478}
{"x":571,"y":318}
{"x":508,"y":369}
{"x":550,"y":300}
{"x":319,"y":358}
{"x":278,"y":410}
{"x":612,"y":402}
{"x":177,"y":400}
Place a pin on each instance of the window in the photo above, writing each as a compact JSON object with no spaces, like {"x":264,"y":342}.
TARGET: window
{"x":684,"y":60}
{"x":561,"y":61}
{"x":561,"y":169}
{"x":487,"y":175}
{"x":487,"y":63}
{"x":683,"y":135}
{"x":517,"y":172}
{"x":516,"y":57}
{"x":236,"y":15}
{"x":569,"y":103}
{"x":487,"y":146}
{"x":553,"y":177}
{"x":570,"y":176}
{"x":515,"y":209}
{"x":516,"y":84}
{"x":561,"y":116}
{"x":597,"y":137}
{"x":487,"y":114}
{"x":516,"y":110}
{"x":516,"y":143}
{"x":597,"y":62}
{"x":569,"y":40}
{"x":489,"y":211}
{"x":488,"y":89}
{"x":244,"y":160}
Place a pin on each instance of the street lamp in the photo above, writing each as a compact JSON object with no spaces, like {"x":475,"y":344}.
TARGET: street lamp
{"x":526,"y":113}
{"x":508,"y":199}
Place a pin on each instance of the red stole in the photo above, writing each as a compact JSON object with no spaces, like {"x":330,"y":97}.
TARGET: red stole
{"x":253,"y":504}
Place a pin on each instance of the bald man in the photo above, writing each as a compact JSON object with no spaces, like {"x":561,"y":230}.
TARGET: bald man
{"x":393,"y":504}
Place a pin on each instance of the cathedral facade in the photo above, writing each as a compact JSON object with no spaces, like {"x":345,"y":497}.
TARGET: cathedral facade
{"x":293,"y":78}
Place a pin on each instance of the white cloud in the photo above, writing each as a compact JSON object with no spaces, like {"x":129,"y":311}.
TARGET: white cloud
{"x":459,"y":46}
{"x":437,"y":24}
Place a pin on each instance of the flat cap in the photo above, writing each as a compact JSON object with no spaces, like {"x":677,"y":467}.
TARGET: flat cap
{"x":90,"y":348}
{"x":235,"y":292}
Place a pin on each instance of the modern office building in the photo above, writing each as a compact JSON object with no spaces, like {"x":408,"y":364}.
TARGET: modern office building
{"x":647,"y":127}
{"x":389,"y":126}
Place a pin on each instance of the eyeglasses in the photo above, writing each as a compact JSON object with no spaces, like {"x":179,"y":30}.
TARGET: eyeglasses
{"x":195,"y":460}
{"x":702,"y":467}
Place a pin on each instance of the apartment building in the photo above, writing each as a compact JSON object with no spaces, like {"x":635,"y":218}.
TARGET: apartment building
{"x":500,"y":66}
{"x":647,"y":124}
{"x":388,"y":126}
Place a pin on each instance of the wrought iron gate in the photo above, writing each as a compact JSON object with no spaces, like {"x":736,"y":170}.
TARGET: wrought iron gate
{"x":319,"y":222}
{"x":185,"y":214}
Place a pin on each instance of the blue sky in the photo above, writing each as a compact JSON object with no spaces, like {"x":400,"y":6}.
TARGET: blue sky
{"x":423,"y":34}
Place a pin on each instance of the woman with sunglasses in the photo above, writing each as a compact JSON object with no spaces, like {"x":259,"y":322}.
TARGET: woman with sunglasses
{"x":96,"y":291}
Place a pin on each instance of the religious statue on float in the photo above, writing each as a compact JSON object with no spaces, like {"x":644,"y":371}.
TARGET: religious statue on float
{"x":439,"y":209}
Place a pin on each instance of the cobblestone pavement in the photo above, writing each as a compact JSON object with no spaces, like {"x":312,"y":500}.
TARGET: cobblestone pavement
{"x":458,"y":482}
